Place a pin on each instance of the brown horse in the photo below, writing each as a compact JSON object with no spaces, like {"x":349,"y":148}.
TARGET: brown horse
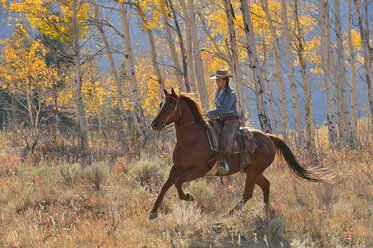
{"x":193,"y":158}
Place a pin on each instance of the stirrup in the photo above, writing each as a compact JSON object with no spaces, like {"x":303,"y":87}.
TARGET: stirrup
{"x":223,"y":168}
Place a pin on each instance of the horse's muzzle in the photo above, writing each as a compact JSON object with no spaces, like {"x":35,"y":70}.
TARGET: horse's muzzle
{"x":156,"y":126}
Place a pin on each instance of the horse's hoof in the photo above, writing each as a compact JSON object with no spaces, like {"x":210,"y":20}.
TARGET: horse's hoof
{"x":189,"y":197}
{"x":152,"y":216}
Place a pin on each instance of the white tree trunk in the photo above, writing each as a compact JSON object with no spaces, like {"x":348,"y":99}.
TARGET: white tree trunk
{"x":238,"y":78}
{"x":189,"y":47}
{"x":291,"y":74}
{"x":325,"y":64}
{"x":340,"y":122}
{"x":198,"y":65}
{"x":347,"y":141}
{"x":353,"y":75}
{"x":171,"y":44}
{"x":183,"y":51}
{"x":300,"y":43}
{"x":368,"y":51}
{"x":153,"y":53}
{"x":155,"y":63}
{"x":270,"y":91}
{"x":255,"y":66}
{"x":278,"y":71}
{"x":114,"y":70}
{"x":135,"y":93}
{"x":80,"y":109}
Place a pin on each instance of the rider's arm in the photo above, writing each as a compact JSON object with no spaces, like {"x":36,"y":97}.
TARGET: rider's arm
{"x":229,"y":100}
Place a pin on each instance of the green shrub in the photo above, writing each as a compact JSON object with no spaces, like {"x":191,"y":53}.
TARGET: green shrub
{"x":203,"y":193}
{"x":96,"y":173}
{"x":70,"y":173}
{"x":11,"y":208}
{"x":26,"y":194}
{"x":147,"y":172}
{"x":43,"y":171}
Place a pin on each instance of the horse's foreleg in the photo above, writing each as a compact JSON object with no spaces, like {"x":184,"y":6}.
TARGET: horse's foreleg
{"x":189,"y":175}
{"x":170,"y":181}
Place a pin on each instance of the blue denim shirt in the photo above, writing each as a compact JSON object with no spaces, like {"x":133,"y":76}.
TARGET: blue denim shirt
{"x":228,"y":104}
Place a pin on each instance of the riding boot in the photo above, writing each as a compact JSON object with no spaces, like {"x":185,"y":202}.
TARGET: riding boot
{"x":224,"y":166}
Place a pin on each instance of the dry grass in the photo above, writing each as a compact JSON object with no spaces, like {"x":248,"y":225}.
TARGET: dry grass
{"x":40,"y":207}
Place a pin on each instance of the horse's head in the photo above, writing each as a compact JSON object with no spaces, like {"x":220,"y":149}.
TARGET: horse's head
{"x":169,"y":111}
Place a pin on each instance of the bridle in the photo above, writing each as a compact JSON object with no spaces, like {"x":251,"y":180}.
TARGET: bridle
{"x":177,"y":106}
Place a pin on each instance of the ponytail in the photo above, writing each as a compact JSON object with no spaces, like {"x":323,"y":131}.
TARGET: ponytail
{"x":227,"y":81}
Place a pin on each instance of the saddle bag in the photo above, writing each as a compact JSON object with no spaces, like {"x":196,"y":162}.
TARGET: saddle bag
{"x":249,"y":139}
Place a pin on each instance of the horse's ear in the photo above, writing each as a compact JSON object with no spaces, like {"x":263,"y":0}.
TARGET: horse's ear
{"x":173,"y":91}
{"x":165,"y":92}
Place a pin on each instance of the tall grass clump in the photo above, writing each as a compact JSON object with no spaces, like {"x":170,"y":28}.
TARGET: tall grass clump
{"x":185,"y":218}
{"x":147,"y":173}
{"x":42,"y":171}
{"x":70,"y":173}
{"x":203,"y":193}
{"x":96,"y":174}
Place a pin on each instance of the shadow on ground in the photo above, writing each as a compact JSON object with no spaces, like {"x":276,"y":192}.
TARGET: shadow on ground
{"x":263,"y":235}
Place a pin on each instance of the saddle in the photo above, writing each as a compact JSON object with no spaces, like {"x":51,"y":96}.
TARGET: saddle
{"x":244,"y":141}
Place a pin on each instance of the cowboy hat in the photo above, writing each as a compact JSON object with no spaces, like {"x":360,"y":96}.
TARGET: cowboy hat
{"x":220,"y":73}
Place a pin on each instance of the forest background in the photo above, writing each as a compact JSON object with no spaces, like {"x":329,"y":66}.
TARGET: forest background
{"x":81,"y":80}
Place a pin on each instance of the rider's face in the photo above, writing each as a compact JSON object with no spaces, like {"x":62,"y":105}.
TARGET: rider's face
{"x":220,"y":82}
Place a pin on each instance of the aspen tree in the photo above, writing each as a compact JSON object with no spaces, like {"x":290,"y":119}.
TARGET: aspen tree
{"x":188,"y":85}
{"x":353,"y":75}
{"x":80,"y":110}
{"x":300,"y":43}
{"x":367,"y":48}
{"x":238,"y":79}
{"x":291,"y":74}
{"x":347,"y":135}
{"x":190,"y":22}
{"x":171,"y":44}
{"x":336,"y":79}
{"x":189,"y":46}
{"x":325,"y":64}
{"x":270,"y":90}
{"x":115,"y":73}
{"x":25,"y":75}
{"x":218,"y":51}
{"x":135,"y":94}
{"x":255,"y":66}
{"x":277,"y":69}
{"x":153,"y":53}
{"x":68,"y":25}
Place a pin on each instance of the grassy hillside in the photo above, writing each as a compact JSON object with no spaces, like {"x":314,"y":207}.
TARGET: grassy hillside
{"x":54,"y":203}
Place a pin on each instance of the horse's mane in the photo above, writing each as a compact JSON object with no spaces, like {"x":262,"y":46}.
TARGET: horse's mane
{"x":195,"y":106}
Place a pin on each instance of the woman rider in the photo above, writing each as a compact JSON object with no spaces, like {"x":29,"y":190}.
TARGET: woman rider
{"x":226,"y":111}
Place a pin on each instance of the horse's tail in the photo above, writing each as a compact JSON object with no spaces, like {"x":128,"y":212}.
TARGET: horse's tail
{"x":313,"y":175}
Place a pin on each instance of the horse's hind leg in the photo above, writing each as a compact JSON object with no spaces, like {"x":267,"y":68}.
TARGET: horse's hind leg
{"x":264,"y":185}
{"x":174,"y":173}
{"x":188,"y":175}
{"x":251,"y":178}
